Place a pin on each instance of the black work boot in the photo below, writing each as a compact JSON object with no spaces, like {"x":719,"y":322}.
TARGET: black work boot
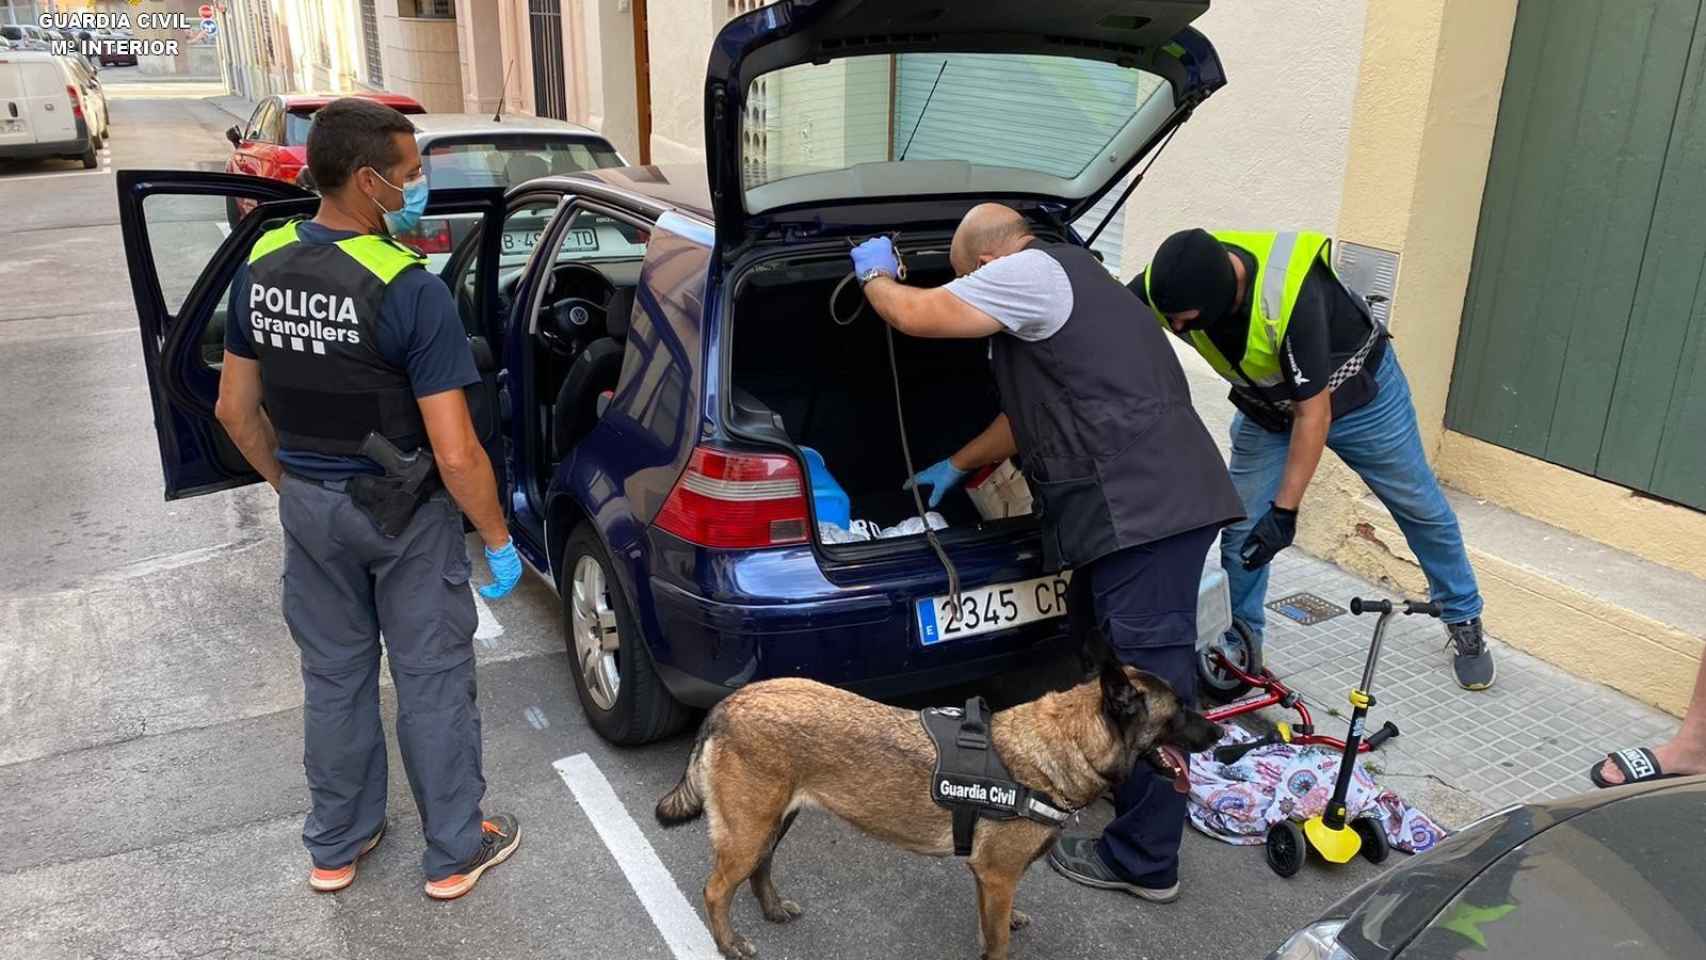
{"x":1470,"y":658}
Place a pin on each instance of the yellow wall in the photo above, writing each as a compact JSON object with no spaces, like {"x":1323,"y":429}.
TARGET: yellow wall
{"x":1421,"y":136}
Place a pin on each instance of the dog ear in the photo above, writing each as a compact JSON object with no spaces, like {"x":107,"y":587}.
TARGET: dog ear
{"x":1121,"y":699}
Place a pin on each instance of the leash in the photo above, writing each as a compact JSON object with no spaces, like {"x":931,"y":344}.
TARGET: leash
{"x":900,"y":420}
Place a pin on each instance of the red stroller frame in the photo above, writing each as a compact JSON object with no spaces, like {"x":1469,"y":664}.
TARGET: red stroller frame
{"x":1270,"y":691}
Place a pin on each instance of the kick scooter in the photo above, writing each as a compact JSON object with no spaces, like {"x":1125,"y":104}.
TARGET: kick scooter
{"x":1329,"y":834}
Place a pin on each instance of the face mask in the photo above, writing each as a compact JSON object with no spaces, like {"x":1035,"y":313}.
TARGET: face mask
{"x":414,"y":204}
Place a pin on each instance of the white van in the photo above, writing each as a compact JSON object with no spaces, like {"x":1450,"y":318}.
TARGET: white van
{"x":41,"y":109}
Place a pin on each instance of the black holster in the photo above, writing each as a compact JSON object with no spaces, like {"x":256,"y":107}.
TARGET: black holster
{"x":390,"y":502}
{"x":390,"y":499}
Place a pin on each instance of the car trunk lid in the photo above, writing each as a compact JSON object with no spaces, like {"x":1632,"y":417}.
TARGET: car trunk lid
{"x":820,"y":103}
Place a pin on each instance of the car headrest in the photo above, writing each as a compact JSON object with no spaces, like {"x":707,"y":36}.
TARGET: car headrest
{"x":616,"y":311}
{"x":523,"y":167}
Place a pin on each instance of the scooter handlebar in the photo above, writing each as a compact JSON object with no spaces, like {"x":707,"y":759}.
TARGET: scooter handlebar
{"x":1359,"y":606}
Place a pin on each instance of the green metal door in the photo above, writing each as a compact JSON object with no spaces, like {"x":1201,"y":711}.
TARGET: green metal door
{"x":1584,"y":330}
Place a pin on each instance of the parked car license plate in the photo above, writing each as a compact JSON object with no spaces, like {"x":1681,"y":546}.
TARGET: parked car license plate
{"x":991,"y":608}
{"x":578,"y":240}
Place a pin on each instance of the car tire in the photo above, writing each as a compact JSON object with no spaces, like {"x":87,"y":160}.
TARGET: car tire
{"x":1240,"y":646}
{"x":90,"y":161}
{"x":95,"y":142}
{"x":619,"y":689}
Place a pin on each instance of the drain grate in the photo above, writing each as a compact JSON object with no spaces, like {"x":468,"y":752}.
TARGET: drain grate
{"x":1306,"y":608}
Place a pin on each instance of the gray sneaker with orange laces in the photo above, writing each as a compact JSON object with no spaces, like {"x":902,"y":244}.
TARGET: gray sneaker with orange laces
{"x":322,"y":880}
{"x":500,"y":835}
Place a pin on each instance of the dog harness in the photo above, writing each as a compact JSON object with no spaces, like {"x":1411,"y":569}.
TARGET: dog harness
{"x":970,"y":779}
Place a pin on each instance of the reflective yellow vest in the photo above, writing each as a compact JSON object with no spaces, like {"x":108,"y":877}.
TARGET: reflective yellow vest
{"x":1272,"y":294}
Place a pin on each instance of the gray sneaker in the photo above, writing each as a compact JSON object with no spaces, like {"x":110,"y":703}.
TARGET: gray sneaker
{"x":1076,"y":859}
{"x":1470,"y":658}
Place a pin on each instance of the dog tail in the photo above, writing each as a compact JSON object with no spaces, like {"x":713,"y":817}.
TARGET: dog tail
{"x":686,"y":801}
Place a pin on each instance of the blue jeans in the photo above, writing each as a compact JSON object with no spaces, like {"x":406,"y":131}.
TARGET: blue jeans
{"x":1381,"y":443}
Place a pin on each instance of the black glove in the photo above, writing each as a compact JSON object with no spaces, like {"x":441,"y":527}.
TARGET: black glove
{"x":1271,"y":534}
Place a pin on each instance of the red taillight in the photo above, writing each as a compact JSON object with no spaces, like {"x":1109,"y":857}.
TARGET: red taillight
{"x":76,"y":101}
{"x":737,"y":500}
{"x":432,"y":236}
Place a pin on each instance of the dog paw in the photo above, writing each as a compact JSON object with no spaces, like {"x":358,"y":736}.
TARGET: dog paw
{"x":1019,"y":921}
{"x":740,"y":948}
{"x":784,"y":911}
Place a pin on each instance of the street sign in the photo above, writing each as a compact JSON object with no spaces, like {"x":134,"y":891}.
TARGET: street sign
{"x":210,"y":26}
{"x":205,"y":11}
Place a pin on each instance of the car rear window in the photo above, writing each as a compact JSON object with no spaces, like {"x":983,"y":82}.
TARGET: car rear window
{"x":509,"y":159}
{"x":299,"y":120}
{"x":1053,"y":115}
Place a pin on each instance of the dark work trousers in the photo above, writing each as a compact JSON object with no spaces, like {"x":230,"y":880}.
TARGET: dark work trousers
{"x":345,"y":582}
{"x":1146,"y":606}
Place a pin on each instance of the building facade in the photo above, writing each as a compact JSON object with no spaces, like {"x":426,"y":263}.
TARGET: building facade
{"x":412,"y":47}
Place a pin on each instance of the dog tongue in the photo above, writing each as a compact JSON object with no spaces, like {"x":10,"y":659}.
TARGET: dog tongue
{"x":1181,"y":769}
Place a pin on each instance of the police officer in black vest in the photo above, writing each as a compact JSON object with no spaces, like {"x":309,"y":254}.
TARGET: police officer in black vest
{"x":1128,"y":483}
{"x":345,"y":363}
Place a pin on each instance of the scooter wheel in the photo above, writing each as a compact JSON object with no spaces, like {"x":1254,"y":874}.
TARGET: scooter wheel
{"x":1375,"y":847}
{"x":1239,"y":647}
{"x":1287,"y":848}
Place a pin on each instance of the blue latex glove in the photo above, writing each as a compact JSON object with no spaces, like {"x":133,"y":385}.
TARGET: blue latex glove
{"x":940,"y":477}
{"x":505,"y":565}
{"x":875,"y":255}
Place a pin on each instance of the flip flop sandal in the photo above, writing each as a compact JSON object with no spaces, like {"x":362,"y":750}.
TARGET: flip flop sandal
{"x":1638,"y":764}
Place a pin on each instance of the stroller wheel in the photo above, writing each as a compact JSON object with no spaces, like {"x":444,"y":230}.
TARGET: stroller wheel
{"x":1375,"y":847}
{"x":1239,"y":647}
{"x":1286,"y":848}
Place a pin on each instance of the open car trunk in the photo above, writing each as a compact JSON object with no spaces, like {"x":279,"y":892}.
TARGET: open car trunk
{"x":830,"y":387}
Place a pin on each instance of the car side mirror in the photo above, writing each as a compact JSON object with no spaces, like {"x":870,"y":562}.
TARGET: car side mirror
{"x":234,"y":135}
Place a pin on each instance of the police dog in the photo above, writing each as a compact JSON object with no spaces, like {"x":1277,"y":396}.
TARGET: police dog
{"x":779,"y":745}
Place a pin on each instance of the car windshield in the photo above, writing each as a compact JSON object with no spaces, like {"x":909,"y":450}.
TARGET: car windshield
{"x":505,"y":160}
{"x":296,"y":124}
{"x":1011,"y":116}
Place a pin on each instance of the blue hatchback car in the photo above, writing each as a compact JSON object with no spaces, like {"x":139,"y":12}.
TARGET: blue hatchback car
{"x":659,"y":345}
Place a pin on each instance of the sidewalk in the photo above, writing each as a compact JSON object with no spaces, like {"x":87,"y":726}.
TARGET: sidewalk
{"x":240,"y":107}
{"x":1459,"y":754}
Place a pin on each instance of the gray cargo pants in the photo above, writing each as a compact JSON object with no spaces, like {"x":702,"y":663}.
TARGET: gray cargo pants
{"x":345,"y":582}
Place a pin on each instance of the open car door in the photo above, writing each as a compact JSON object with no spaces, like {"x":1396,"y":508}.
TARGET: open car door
{"x":184,"y":252}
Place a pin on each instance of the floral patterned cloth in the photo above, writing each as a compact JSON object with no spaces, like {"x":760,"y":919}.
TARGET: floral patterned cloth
{"x":1238,"y":802}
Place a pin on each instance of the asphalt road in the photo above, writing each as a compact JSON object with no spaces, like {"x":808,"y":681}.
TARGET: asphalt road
{"x":150,"y":705}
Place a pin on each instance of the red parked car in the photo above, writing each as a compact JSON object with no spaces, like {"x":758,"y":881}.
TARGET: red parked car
{"x":274,"y":143}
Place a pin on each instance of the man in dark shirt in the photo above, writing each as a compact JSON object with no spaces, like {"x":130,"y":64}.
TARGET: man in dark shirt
{"x":1310,"y":369}
{"x":337,"y":335}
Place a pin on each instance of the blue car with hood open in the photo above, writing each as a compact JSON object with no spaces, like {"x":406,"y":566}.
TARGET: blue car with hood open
{"x":658,"y":345}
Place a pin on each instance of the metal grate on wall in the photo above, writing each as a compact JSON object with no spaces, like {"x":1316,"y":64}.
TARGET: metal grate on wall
{"x":370,"y":43}
{"x":550,"y":94}
{"x":266,"y":48}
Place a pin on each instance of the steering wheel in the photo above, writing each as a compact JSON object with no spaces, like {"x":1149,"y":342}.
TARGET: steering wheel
{"x":568,"y":320}
{"x":578,"y":280}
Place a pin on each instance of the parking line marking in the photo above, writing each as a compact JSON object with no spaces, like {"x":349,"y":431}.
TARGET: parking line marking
{"x":68,"y":173}
{"x":225,"y":231}
{"x":536,"y":718}
{"x":673,"y":916}
{"x":487,"y":628}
